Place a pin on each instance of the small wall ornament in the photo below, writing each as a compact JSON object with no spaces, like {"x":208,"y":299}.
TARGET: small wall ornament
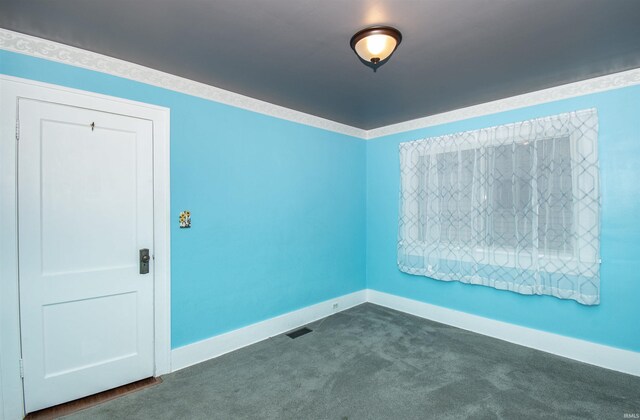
{"x":185,"y":219}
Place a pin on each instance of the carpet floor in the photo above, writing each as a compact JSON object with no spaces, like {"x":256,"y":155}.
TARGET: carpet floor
{"x":371,"y":362}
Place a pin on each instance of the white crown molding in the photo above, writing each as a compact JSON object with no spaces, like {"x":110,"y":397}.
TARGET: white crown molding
{"x":584,"y":87}
{"x":42,"y":48}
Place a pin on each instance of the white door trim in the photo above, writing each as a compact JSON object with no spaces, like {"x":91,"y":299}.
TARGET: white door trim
{"x":12,"y":88}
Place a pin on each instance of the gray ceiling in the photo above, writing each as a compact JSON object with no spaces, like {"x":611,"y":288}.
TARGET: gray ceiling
{"x":296,"y":53}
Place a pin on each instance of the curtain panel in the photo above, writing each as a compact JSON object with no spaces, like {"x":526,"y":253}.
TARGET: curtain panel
{"x":514,"y":207}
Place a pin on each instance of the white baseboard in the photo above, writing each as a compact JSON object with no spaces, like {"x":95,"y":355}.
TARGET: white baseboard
{"x":192,"y":354}
{"x":625,"y":361}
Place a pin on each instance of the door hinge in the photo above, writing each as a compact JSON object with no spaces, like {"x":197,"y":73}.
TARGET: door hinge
{"x":21,"y":368}
{"x":17,"y":129}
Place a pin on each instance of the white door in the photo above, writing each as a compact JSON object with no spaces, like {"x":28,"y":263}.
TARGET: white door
{"x":85,"y":209}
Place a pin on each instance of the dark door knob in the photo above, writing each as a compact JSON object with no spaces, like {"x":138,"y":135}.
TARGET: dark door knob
{"x":144,"y":261}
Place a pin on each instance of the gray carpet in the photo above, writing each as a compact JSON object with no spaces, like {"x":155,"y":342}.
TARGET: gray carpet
{"x":370,"y":362}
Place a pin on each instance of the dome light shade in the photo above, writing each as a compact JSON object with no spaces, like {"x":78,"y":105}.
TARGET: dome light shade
{"x":375,"y":45}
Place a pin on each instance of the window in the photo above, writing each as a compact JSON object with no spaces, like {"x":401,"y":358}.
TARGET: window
{"x":514,"y":207}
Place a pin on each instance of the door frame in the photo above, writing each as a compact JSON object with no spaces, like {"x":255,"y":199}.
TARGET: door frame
{"x":11,"y":89}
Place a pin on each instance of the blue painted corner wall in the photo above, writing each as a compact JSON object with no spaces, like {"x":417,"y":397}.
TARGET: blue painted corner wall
{"x":285,"y":215}
{"x":615,"y":321}
{"x":277,"y":207}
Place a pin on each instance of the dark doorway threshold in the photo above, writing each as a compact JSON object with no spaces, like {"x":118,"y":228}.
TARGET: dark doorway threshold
{"x":86,"y":402}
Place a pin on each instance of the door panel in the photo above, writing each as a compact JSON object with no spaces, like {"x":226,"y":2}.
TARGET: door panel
{"x":85,"y":208}
{"x":68,"y":171}
{"x":74,"y":332}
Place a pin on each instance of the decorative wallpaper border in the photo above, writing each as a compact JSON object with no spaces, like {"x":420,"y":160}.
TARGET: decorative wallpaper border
{"x":583,"y":87}
{"x":41,"y":48}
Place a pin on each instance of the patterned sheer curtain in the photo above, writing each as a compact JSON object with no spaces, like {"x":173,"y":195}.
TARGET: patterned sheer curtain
{"x":514,"y":207}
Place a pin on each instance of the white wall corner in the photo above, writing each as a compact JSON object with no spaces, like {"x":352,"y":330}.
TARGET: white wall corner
{"x":613,"y":358}
{"x":210,"y":348}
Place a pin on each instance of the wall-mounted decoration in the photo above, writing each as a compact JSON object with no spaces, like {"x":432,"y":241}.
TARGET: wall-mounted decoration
{"x":185,"y":219}
{"x":514,"y":207}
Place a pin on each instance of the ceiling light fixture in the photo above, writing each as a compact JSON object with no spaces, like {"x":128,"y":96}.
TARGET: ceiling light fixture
{"x":375,"y":45}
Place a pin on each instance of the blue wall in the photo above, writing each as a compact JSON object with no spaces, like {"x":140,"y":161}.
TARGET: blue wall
{"x":277,"y":207}
{"x":616,"y":321}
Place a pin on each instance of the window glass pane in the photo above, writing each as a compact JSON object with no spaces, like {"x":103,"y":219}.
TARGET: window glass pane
{"x":555,"y":196}
{"x":454,"y":194}
{"x":502,"y":225}
{"x":524,"y":173}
